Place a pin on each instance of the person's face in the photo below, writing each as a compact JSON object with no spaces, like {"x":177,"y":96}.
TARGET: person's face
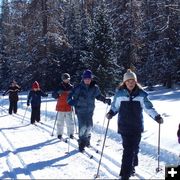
{"x":130,"y":84}
{"x":66,"y":80}
{"x":87,"y":81}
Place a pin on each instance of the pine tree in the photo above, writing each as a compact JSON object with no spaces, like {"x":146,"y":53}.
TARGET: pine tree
{"x":103,"y":48}
{"x":159,"y":54}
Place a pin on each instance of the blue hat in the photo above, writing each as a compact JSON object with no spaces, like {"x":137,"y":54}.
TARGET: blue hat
{"x":87,"y":74}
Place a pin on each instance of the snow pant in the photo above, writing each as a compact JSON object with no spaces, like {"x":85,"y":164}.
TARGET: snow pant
{"x":12,"y":106}
{"x":130,"y":144}
{"x":65,"y":117}
{"x":35,"y":114}
{"x":85,"y":124}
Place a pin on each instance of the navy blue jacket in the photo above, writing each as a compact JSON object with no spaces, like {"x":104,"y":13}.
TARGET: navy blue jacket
{"x":129,"y":107}
{"x":83,"y":97}
{"x":34,"y":97}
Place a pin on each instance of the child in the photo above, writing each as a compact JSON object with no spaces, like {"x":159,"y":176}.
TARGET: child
{"x":34,"y":98}
{"x":129,"y":102}
{"x":83,"y":98}
{"x":63,"y":109}
{"x":13,"y":96}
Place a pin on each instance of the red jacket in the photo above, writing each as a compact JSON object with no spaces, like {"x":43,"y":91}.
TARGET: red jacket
{"x":62,"y":104}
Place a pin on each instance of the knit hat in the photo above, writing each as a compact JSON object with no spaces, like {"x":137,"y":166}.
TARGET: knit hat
{"x":35,"y":85}
{"x":65,"y":76}
{"x":129,"y":75}
{"x":87,"y":74}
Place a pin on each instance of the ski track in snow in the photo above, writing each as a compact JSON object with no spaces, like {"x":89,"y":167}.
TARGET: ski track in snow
{"x":19,"y":168}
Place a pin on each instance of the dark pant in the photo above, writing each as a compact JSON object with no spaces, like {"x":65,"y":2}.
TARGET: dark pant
{"x":85,"y":124}
{"x":130,"y":144}
{"x":35,"y":114}
{"x":12,"y":106}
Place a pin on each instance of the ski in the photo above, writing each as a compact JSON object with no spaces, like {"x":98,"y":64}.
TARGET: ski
{"x":90,"y":156}
{"x":90,"y":147}
{"x":64,"y":140}
{"x":93,"y":148}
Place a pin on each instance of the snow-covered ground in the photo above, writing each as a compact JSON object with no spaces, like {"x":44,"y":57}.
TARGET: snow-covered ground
{"x":34,"y":152}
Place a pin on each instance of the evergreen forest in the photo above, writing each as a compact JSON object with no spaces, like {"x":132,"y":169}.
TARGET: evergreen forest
{"x":41,"y":39}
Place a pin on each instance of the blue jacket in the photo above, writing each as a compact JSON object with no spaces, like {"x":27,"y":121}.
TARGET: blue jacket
{"x":129,"y":107}
{"x":35,"y":97}
{"x":83,"y":97}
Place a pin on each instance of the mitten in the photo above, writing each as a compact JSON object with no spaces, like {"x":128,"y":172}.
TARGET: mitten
{"x":159,"y":119}
{"x":108,"y":101}
{"x":110,"y":114}
{"x":72,"y":102}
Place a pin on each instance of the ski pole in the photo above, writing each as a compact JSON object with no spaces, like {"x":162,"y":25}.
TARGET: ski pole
{"x":21,"y":99}
{"x":24,"y":114}
{"x":158,"y":168}
{"x":74,"y":119}
{"x":2,"y":104}
{"x":46,"y":110}
{"x":99,"y":140}
{"x":97,"y":174}
{"x":54,"y":125}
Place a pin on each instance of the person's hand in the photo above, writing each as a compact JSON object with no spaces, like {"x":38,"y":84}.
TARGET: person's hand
{"x":72,"y":102}
{"x":108,"y":101}
{"x":159,"y":119}
{"x":109,"y":116}
{"x":27,"y":104}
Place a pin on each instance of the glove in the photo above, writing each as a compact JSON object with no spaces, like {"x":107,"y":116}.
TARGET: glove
{"x":109,"y":116}
{"x":108,"y":101}
{"x":72,"y":102}
{"x":27,"y":104}
{"x":159,"y":119}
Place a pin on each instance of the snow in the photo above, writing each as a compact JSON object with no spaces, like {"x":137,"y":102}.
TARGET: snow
{"x":34,"y":152}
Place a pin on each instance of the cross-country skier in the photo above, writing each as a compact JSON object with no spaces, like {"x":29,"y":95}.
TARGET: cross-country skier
{"x":129,"y":102}
{"x":63,"y":109}
{"x":83,"y":98}
{"x":34,"y":97}
{"x":13,"y":90}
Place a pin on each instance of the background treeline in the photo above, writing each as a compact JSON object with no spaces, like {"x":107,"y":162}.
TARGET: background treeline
{"x":41,"y":39}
